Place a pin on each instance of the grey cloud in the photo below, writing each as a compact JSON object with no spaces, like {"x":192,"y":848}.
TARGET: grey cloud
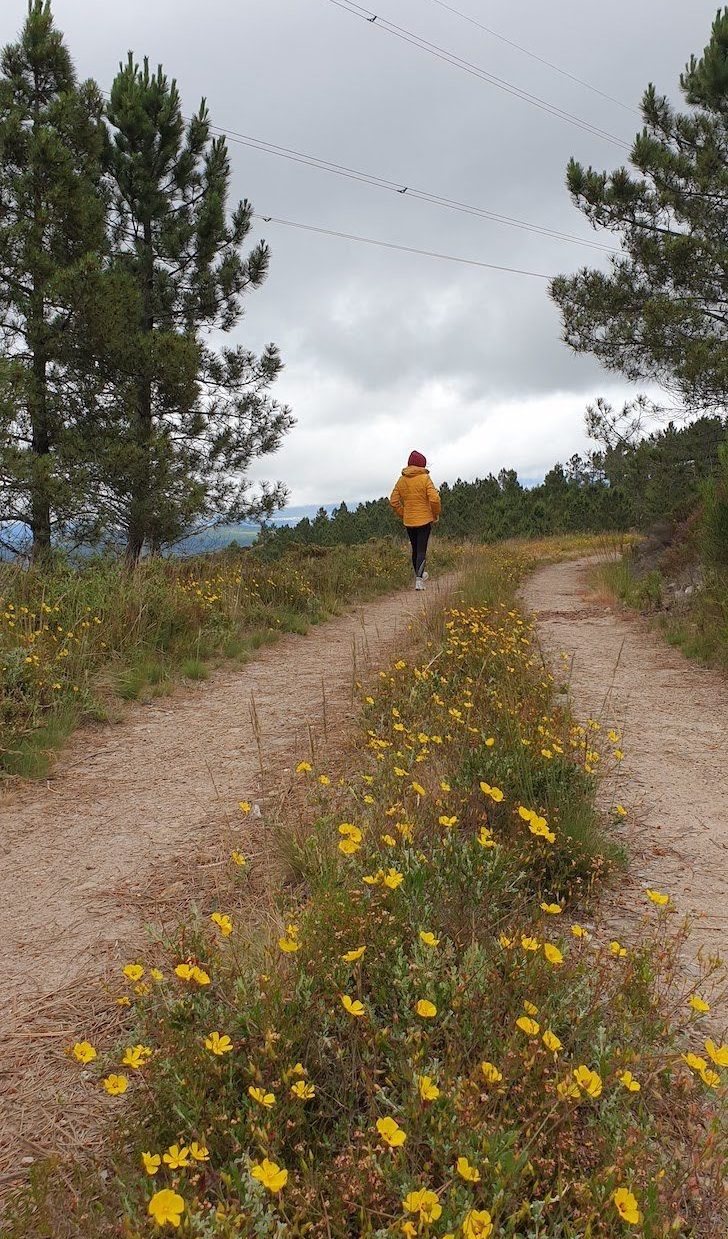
{"x":385,"y":349}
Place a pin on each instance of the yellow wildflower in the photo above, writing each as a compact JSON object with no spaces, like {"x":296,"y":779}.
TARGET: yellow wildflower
{"x":629,"y":1082}
{"x":391,"y":1132}
{"x":552,"y":953}
{"x":267,"y":1100}
{"x":393,"y":879}
{"x":303,"y":1090}
{"x":485,"y":838}
{"x":698,"y":1004}
{"x":303,"y":767}
{"x":351,"y":957}
{"x":658,"y":898}
{"x":166,"y":1207}
{"x":717,"y":1053}
{"x":553,"y":909}
{"x":137,"y":1056}
{"x":244,"y":806}
{"x":477,"y":1224}
{"x":426,"y":1009}
{"x":199,"y":1152}
{"x":695,"y":1062}
{"x":429,"y":939}
{"x":530,"y":1027}
{"x":710,"y":1077}
{"x":151,"y":1163}
{"x":427,"y":1088}
{"x":626,"y":1205}
{"x":83,"y":1052}
{"x":115,"y":1085}
{"x":529,"y":944}
{"x":223,"y":922}
{"x":551,"y":1041}
{"x":491,"y":1073}
{"x":617,"y":950}
{"x":218,"y":1044}
{"x":239,"y":859}
{"x":471,"y":1174}
{"x":417,"y":787}
{"x":352,"y":1005}
{"x":590,"y":1082}
{"x":495,"y":793}
{"x":272,"y":1176}
{"x":425,"y":1203}
{"x":133,"y":972}
{"x":529,"y":1007}
{"x":175,"y":1157}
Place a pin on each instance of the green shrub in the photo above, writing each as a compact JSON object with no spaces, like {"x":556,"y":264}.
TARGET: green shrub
{"x":714,"y":531}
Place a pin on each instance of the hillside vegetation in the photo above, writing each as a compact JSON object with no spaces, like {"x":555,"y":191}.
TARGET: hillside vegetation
{"x":681,"y":576}
{"x":624,"y":485}
{"x":76,"y":639}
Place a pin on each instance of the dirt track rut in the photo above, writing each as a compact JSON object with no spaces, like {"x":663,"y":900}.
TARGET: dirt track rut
{"x":673,"y":718}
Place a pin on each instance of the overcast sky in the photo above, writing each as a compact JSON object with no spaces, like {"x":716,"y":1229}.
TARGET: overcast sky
{"x":386,"y":351}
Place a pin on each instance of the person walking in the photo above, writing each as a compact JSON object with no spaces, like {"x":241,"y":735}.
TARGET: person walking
{"x":417,"y":502}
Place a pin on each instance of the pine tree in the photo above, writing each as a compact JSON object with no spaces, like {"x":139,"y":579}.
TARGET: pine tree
{"x":185,"y":419}
{"x":51,"y":237}
{"x":661,"y":311}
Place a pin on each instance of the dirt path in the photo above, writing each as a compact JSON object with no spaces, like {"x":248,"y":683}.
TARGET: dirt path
{"x":673,"y":718}
{"x":104,"y":847}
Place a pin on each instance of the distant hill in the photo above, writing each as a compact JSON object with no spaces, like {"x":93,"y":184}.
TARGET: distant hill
{"x":214,"y":539}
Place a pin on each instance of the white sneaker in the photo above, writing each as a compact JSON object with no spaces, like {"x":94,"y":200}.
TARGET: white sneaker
{"x":419,"y":583}
{"x":425,"y":576}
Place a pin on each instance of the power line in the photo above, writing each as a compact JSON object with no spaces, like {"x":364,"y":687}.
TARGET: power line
{"x":389,"y":245}
{"x":457,"y":62}
{"x":533,"y":55}
{"x":400,"y":188}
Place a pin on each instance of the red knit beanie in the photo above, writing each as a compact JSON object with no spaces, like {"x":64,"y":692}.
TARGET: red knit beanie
{"x":416,"y":458}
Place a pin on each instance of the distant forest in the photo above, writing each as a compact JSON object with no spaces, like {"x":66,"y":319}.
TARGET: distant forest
{"x":623,"y":486}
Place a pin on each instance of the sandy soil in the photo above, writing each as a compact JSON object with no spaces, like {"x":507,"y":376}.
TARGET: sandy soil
{"x":673,"y":718}
{"x":113,"y":841}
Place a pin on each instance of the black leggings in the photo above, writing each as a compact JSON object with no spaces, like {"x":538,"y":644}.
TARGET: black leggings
{"x":419,"y":536}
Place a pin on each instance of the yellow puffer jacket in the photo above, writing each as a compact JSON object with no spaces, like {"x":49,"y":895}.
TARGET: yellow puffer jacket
{"x":414,"y":498}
